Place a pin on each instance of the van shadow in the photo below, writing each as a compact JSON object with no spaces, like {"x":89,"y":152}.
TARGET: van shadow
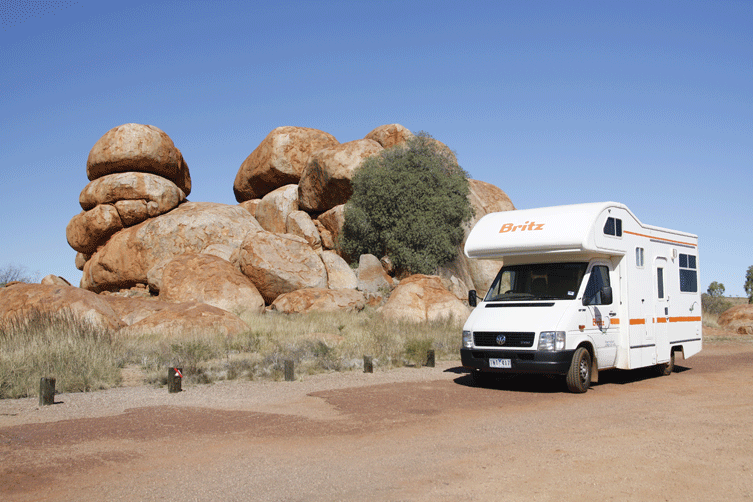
{"x":550,"y":384}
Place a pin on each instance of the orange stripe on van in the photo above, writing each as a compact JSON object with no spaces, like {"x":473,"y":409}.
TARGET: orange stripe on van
{"x":685,"y":319}
{"x":637,"y":321}
{"x":660,"y":239}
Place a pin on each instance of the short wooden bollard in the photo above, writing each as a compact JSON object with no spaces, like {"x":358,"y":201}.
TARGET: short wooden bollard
{"x":289,"y":370}
{"x":430,"y":358}
{"x":368,"y":364}
{"x":46,"y":391}
{"x":174,"y":379}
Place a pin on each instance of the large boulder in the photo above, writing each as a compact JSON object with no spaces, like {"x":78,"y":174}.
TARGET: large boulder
{"x":133,"y":309}
{"x":420,"y":298}
{"x":738,"y":319}
{"x":339,"y":273}
{"x":183,"y":320}
{"x":278,"y":160}
{"x":390,"y":135}
{"x":138,"y":148}
{"x":279,"y":264}
{"x":372,"y":279}
{"x":208,"y":279}
{"x":320,"y":300}
{"x":89,"y":230}
{"x":146,"y":187}
{"x":274,"y":208}
{"x":192,"y":227}
{"x":326,"y":179}
{"x":20,"y":300}
{"x":54,"y":280}
{"x":333,"y":220}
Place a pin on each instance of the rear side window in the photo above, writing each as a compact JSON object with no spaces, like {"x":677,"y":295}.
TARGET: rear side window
{"x":613,"y":226}
{"x":688,"y":273}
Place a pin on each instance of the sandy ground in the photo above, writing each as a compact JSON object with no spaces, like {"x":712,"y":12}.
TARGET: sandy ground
{"x":407,"y":434}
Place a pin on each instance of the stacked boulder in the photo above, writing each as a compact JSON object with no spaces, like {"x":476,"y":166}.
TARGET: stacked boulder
{"x":135,"y":173}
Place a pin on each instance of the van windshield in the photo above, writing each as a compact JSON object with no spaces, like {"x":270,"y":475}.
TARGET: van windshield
{"x":538,"y":281}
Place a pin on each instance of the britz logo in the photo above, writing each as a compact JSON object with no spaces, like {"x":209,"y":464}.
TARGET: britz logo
{"x":528,"y":225}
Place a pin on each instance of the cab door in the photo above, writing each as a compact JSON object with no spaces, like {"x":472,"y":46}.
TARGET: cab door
{"x":602,"y":312}
{"x":661,"y":311}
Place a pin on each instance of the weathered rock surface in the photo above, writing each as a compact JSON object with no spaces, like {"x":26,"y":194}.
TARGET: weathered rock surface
{"x":54,"y":280}
{"x":279,"y":264}
{"x":183,"y":320}
{"x":738,"y":318}
{"x":278,"y":160}
{"x":339,"y":273}
{"x":326,"y":179}
{"x":371,"y":276}
{"x":138,"y":148}
{"x":19,"y":300}
{"x":321,"y":300}
{"x":333,"y":220}
{"x":390,"y":135}
{"x":420,"y":298}
{"x":274,"y":208}
{"x":300,"y":223}
{"x":90,"y":229}
{"x":208,"y":279}
{"x":132,"y":186}
{"x":250,"y":206}
{"x":133,"y":309}
{"x":190,"y":228}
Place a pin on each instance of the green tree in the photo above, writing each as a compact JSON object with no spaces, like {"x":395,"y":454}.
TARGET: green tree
{"x":749,"y":284}
{"x":716,"y":289}
{"x":409,"y":202}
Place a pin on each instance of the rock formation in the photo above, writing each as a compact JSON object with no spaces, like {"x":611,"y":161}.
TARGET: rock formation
{"x":738,"y":319}
{"x":421,"y":298}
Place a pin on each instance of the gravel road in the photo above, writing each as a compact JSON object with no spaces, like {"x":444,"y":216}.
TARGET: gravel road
{"x":406,"y":434}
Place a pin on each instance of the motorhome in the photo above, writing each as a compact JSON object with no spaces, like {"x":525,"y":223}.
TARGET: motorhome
{"x":582,"y":288}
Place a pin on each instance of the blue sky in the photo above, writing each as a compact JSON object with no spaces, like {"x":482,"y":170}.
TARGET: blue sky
{"x":641,"y":102}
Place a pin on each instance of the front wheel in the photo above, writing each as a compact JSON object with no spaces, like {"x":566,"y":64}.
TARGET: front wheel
{"x":579,"y":375}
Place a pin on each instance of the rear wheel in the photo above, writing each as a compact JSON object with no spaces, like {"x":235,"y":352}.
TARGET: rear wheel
{"x":579,"y":375}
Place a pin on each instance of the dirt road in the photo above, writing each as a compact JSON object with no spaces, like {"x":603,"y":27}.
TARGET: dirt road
{"x":408,"y":434}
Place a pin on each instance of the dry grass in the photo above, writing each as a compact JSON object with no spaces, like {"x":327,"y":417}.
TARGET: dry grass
{"x":82,"y":358}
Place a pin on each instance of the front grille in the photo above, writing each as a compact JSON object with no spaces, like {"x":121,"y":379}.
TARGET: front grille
{"x":512,"y":339}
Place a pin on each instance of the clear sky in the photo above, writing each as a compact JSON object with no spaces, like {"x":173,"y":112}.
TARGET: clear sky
{"x":641,"y":102}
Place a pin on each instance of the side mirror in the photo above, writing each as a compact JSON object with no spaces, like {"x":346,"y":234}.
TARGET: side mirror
{"x":472,"y":299}
{"x":606,"y":295}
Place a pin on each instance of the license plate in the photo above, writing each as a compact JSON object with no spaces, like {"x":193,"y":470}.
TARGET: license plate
{"x":500,"y":363}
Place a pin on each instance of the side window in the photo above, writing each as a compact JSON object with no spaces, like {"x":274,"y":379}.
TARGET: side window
{"x":688,"y":273}
{"x":613,"y":226}
{"x":599,"y":278}
{"x":660,"y":283}
{"x":639,"y":257}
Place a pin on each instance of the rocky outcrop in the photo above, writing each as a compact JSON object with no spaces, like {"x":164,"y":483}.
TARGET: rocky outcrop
{"x":333,"y":220}
{"x":89,"y":230}
{"x":159,"y":195}
{"x":326,"y":179}
{"x":17,"y":302}
{"x":274,"y":208}
{"x":390,"y":135}
{"x":138,"y":148}
{"x":192,"y":227}
{"x":738,"y":319}
{"x":339,"y":273}
{"x":278,"y":161}
{"x":420,"y":298}
{"x":54,"y":280}
{"x":279,"y":264}
{"x":319,"y":299}
{"x":208,"y":279}
{"x":300,"y":223}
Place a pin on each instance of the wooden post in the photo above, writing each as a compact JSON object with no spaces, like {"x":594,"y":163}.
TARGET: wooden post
{"x":46,"y":391}
{"x":174,"y":379}
{"x":289,"y":370}
{"x":430,"y":358}
{"x":368,"y":364}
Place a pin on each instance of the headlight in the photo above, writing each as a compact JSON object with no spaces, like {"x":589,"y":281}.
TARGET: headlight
{"x":552,"y":340}
{"x":467,"y":339}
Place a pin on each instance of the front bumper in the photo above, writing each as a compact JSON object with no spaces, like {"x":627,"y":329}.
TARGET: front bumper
{"x":523,"y":361}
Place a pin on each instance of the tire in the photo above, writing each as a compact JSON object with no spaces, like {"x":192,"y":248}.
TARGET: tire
{"x":579,"y":375}
{"x":667,"y":368}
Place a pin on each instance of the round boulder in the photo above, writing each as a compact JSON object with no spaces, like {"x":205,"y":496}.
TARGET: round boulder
{"x":132,"y":186}
{"x":90,"y":229}
{"x":390,"y":135}
{"x":139,"y":148}
{"x":278,"y":160}
{"x":320,"y":300}
{"x":420,"y":298}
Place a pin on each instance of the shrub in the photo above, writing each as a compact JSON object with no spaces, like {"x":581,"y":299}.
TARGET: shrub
{"x":410,"y":203}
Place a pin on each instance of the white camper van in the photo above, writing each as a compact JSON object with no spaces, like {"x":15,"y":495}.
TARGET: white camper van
{"x":582,"y":288}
